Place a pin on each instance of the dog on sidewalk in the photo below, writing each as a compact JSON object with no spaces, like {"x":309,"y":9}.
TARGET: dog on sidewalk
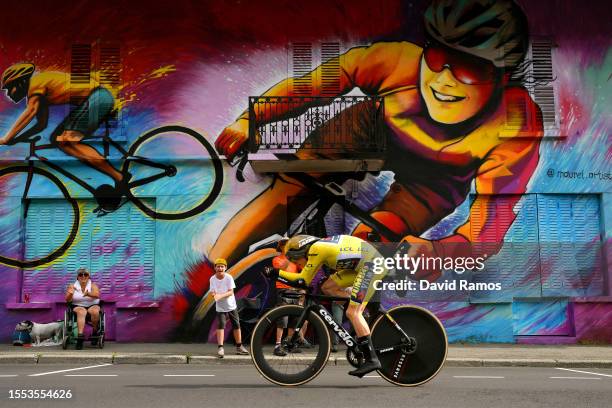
{"x":42,"y":331}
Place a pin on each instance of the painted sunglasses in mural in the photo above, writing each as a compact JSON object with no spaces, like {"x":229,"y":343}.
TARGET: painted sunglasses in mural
{"x":151,"y":184}
{"x":467,"y":68}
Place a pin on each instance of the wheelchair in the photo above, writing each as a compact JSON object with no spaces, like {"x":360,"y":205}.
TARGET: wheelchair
{"x":70,"y":329}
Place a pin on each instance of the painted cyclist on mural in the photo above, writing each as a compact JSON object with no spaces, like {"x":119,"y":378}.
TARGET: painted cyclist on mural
{"x":51,"y":88}
{"x":446,"y":103}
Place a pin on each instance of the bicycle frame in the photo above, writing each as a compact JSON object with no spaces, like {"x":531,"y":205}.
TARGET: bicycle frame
{"x":107,"y":142}
{"x":345,"y":336}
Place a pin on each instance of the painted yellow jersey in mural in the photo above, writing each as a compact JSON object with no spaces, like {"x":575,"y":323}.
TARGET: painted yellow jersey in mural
{"x":434,"y":164}
{"x":57,"y":88}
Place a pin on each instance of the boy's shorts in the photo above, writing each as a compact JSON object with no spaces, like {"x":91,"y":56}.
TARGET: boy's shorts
{"x":222,"y":319}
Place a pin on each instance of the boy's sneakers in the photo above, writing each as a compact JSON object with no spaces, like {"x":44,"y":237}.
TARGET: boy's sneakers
{"x":220,"y":352}
{"x":242,"y":351}
{"x":279,"y":351}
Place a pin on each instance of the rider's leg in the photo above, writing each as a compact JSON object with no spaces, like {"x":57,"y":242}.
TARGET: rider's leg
{"x":83,"y":121}
{"x":69,"y":141}
{"x":354,"y":313}
{"x":262,"y":217}
{"x":363,"y":290}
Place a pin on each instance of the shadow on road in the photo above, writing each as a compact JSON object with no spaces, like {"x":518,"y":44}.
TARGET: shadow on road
{"x":247,"y":386}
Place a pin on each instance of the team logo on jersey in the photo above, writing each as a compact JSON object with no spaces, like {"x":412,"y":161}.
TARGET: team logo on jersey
{"x":347,"y":263}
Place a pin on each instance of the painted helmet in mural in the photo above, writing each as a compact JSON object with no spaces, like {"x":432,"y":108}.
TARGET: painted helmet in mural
{"x":495,"y":30}
{"x":15,"y":72}
{"x":297,"y":247}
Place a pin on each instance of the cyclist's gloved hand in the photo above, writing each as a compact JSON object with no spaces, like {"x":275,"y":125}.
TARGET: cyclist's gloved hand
{"x":270,"y":272}
{"x":232,"y":138}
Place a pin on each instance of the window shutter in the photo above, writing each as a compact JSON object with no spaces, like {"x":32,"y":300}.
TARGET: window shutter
{"x":516,"y":265}
{"x":118,"y":249}
{"x":47,"y":227}
{"x":109,"y":68}
{"x":80,"y":77}
{"x":539,"y":82}
{"x":570,"y":244}
{"x":122,"y":253}
{"x":330,"y":71}
{"x":301,"y":54}
{"x":543,"y":91}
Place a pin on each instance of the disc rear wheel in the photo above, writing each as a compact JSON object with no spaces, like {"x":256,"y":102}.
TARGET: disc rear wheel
{"x":414,"y":360}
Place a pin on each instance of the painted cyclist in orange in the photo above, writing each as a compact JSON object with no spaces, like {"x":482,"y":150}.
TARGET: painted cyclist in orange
{"x":445,"y":106}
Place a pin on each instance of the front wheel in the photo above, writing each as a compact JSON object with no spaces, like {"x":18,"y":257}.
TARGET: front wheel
{"x":297,"y":366}
{"x":414,"y":360}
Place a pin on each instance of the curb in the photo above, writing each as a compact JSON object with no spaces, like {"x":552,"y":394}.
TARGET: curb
{"x":75,"y":358}
{"x":145,"y":358}
{"x":22,"y":358}
{"x":149,"y":359}
{"x":235,"y":360}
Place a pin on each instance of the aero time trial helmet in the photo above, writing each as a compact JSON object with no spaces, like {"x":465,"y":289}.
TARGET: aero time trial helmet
{"x":16,"y":72}
{"x":297,"y":247}
{"x":495,"y":30}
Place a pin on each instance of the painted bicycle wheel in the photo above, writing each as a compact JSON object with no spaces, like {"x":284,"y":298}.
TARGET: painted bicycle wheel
{"x":174,"y":172}
{"x":61,"y":224}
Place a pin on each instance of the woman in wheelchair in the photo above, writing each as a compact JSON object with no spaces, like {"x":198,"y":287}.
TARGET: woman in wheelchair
{"x":84,"y":299}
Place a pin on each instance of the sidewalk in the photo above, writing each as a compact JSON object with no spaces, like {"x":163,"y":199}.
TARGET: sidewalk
{"x":477,"y":355}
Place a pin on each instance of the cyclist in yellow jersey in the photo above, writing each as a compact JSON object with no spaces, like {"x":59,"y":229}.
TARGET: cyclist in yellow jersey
{"x":351,"y":259}
{"x":50,"y":88}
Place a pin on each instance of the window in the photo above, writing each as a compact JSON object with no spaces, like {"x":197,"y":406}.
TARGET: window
{"x":540,"y":83}
{"x":118,"y":249}
{"x":92,"y":66}
{"x":570,"y":244}
{"x":553,"y":247}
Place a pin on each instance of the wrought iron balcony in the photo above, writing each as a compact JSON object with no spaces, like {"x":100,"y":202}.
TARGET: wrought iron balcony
{"x":316,"y":134}
{"x":344,"y":124}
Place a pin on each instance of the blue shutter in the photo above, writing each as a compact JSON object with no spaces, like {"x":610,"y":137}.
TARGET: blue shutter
{"x":47,"y":227}
{"x":122,"y":253}
{"x":570,"y":243}
{"x":118,"y":249}
{"x":515,"y":266}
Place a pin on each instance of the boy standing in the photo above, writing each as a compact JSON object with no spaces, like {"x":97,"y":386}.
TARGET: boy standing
{"x":222,"y":288}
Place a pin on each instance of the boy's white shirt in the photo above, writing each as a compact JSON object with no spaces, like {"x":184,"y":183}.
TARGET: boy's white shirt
{"x":221,"y":286}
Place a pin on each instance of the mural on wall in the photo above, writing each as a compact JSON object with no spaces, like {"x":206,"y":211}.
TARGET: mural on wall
{"x":469,"y":151}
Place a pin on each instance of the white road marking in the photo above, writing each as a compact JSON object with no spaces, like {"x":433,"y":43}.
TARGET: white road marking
{"x":477,"y":376}
{"x":70,"y":369}
{"x":8,"y":375}
{"x":583,"y":372}
{"x":372,"y":376}
{"x":576,"y":378}
{"x":189,"y":375}
{"x":90,"y":375}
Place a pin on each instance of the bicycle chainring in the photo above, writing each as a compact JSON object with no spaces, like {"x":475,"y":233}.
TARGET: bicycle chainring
{"x":354,"y":357}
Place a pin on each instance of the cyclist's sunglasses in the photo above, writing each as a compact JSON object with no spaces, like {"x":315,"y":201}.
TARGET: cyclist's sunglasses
{"x":80,"y":274}
{"x":468,"y":69}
